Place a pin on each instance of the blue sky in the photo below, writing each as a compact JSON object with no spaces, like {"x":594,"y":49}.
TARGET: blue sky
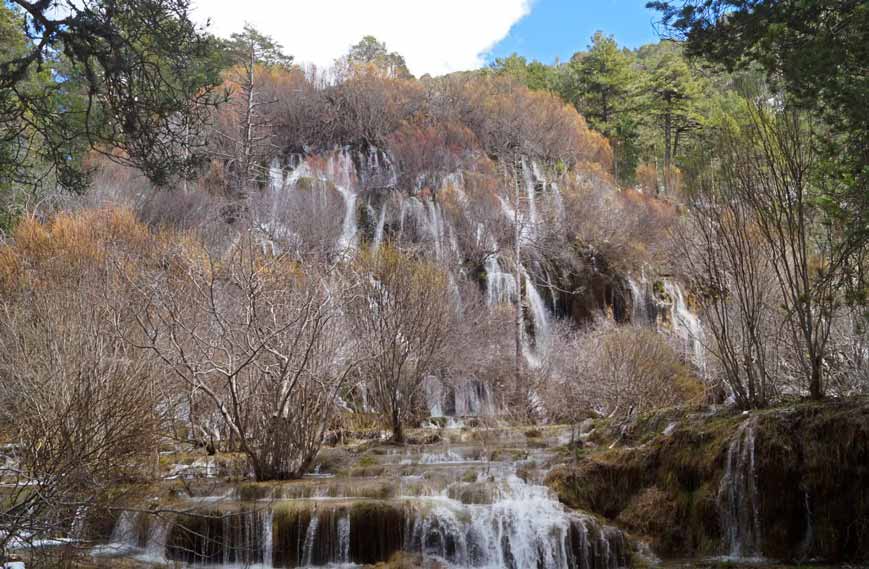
{"x":559,"y":28}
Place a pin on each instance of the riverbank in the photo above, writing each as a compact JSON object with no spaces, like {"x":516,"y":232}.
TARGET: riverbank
{"x":789,"y":483}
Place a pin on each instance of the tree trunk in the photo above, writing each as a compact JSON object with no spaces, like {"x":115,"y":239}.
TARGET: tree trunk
{"x":397,"y":431}
{"x":517,"y":252}
{"x":816,"y":389}
{"x":667,"y":145}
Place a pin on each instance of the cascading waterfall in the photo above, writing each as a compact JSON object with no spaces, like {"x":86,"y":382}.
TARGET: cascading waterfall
{"x":347,"y":241}
{"x":378,"y":231}
{"x":524,"y":527}
{"x":421,"y":219}
{"x":266,"y":518}
{"x":687,"y":326}
{"x":531,"y":195}
{"x":517,"y":525}
{"x":276,"y":176}
{"x":467,"y":398}
{"x":538,"y":312}
{"x":642,"y":304}
{"x":310,"y":538}
{"x":344,"y":539}
{"x":500,"y":286}
{"x":140,"y":535}
{"x":738,"y":499}
{"x":124,"y":535}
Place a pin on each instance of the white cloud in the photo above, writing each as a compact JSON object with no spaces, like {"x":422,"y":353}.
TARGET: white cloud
{"x":434,"y":36}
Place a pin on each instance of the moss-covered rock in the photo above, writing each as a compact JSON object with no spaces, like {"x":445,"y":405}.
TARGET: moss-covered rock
{"x":662,"y":477}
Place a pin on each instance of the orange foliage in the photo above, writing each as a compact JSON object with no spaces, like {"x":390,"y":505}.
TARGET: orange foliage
{"x":647,"y":178}
{"x":420,"y":149}
{"x":69,"y":245}
{"x":508,"y":117}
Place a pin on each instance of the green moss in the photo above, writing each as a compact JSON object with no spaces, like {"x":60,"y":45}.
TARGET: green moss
{"x":305,"y":183}
{"x":366,"y":460}
{"x":666,"y":486}
{"x":366,"y":472}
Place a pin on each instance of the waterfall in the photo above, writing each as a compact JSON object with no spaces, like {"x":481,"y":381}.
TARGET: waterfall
{"x":473,"y":398}
{"x":310,"y":538}
{"x":538,"y":311}
{"x":378,"y":231}
{"x":809,"y":535}
{"x":531,"y":193}
{"x":300,"y":169}
{"x":347,"y":241}
{"x":558,"y":200}
{"x":434,"y":396}
{"x":158,"y":533}
{"x":500,"y":286}
{"x":344,"y":539}
{"x":738,"y":499}
{"x":276,"y":176}
{"x":141,"y":535}
{"x":435,"y":226}
{"x":642,"y":304}
{"x":266,"y":519}
{"x":496,"y":521}
{"x":428,"y":222}
{"x":524,"y":527}
{"x":467,"y":398}
{"x":687,"y":326}
{"x":124,"y":535}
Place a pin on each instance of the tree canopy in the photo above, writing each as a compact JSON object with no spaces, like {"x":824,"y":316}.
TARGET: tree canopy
{"x":818,"y":51}
{"x":133,"y":79}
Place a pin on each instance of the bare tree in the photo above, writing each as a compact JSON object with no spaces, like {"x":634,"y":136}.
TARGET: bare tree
{"x":613,"y":370}
{"x":260,"y":340}
{"x":244,"y":126}
{"x":773,"y":168}
{"x":721,"y":247}
{"x":401,"y":319}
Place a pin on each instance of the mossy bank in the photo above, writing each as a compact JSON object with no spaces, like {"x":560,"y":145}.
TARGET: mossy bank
{"x":660,"y":478}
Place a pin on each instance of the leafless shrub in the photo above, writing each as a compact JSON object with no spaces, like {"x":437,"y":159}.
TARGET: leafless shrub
{"x":401,"y":319}
{"x":614,"y":370}
{"x":80,"y":404}
{"x":256,"y":338}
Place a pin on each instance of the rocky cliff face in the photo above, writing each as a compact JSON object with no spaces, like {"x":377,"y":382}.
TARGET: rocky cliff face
{"x":579,"y":237}
{"x":788,"y":484}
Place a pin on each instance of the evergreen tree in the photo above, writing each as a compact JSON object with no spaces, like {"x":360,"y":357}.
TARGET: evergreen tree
{"x":534,"y":75}
{"x":371,"y":52}
{"x":603,"y":86}
{"x":819,"y":52}
{"x":144,"y":72}
{"x":674,"y":93}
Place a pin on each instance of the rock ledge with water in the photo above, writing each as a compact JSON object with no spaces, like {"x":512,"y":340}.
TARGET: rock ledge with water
{"x":789,"y":483}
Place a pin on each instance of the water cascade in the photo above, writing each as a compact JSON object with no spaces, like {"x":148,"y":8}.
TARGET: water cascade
{"x":467,"y":398}
{"x":378,"y":231}
{"x":687,"y":326}
{"x":643,"y":307}
{"x":453,"y":505}
{"x":500,"y":285}
{"x":738,"y":499}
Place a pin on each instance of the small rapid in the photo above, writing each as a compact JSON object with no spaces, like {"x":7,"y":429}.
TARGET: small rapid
{"x":461,"y":505}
